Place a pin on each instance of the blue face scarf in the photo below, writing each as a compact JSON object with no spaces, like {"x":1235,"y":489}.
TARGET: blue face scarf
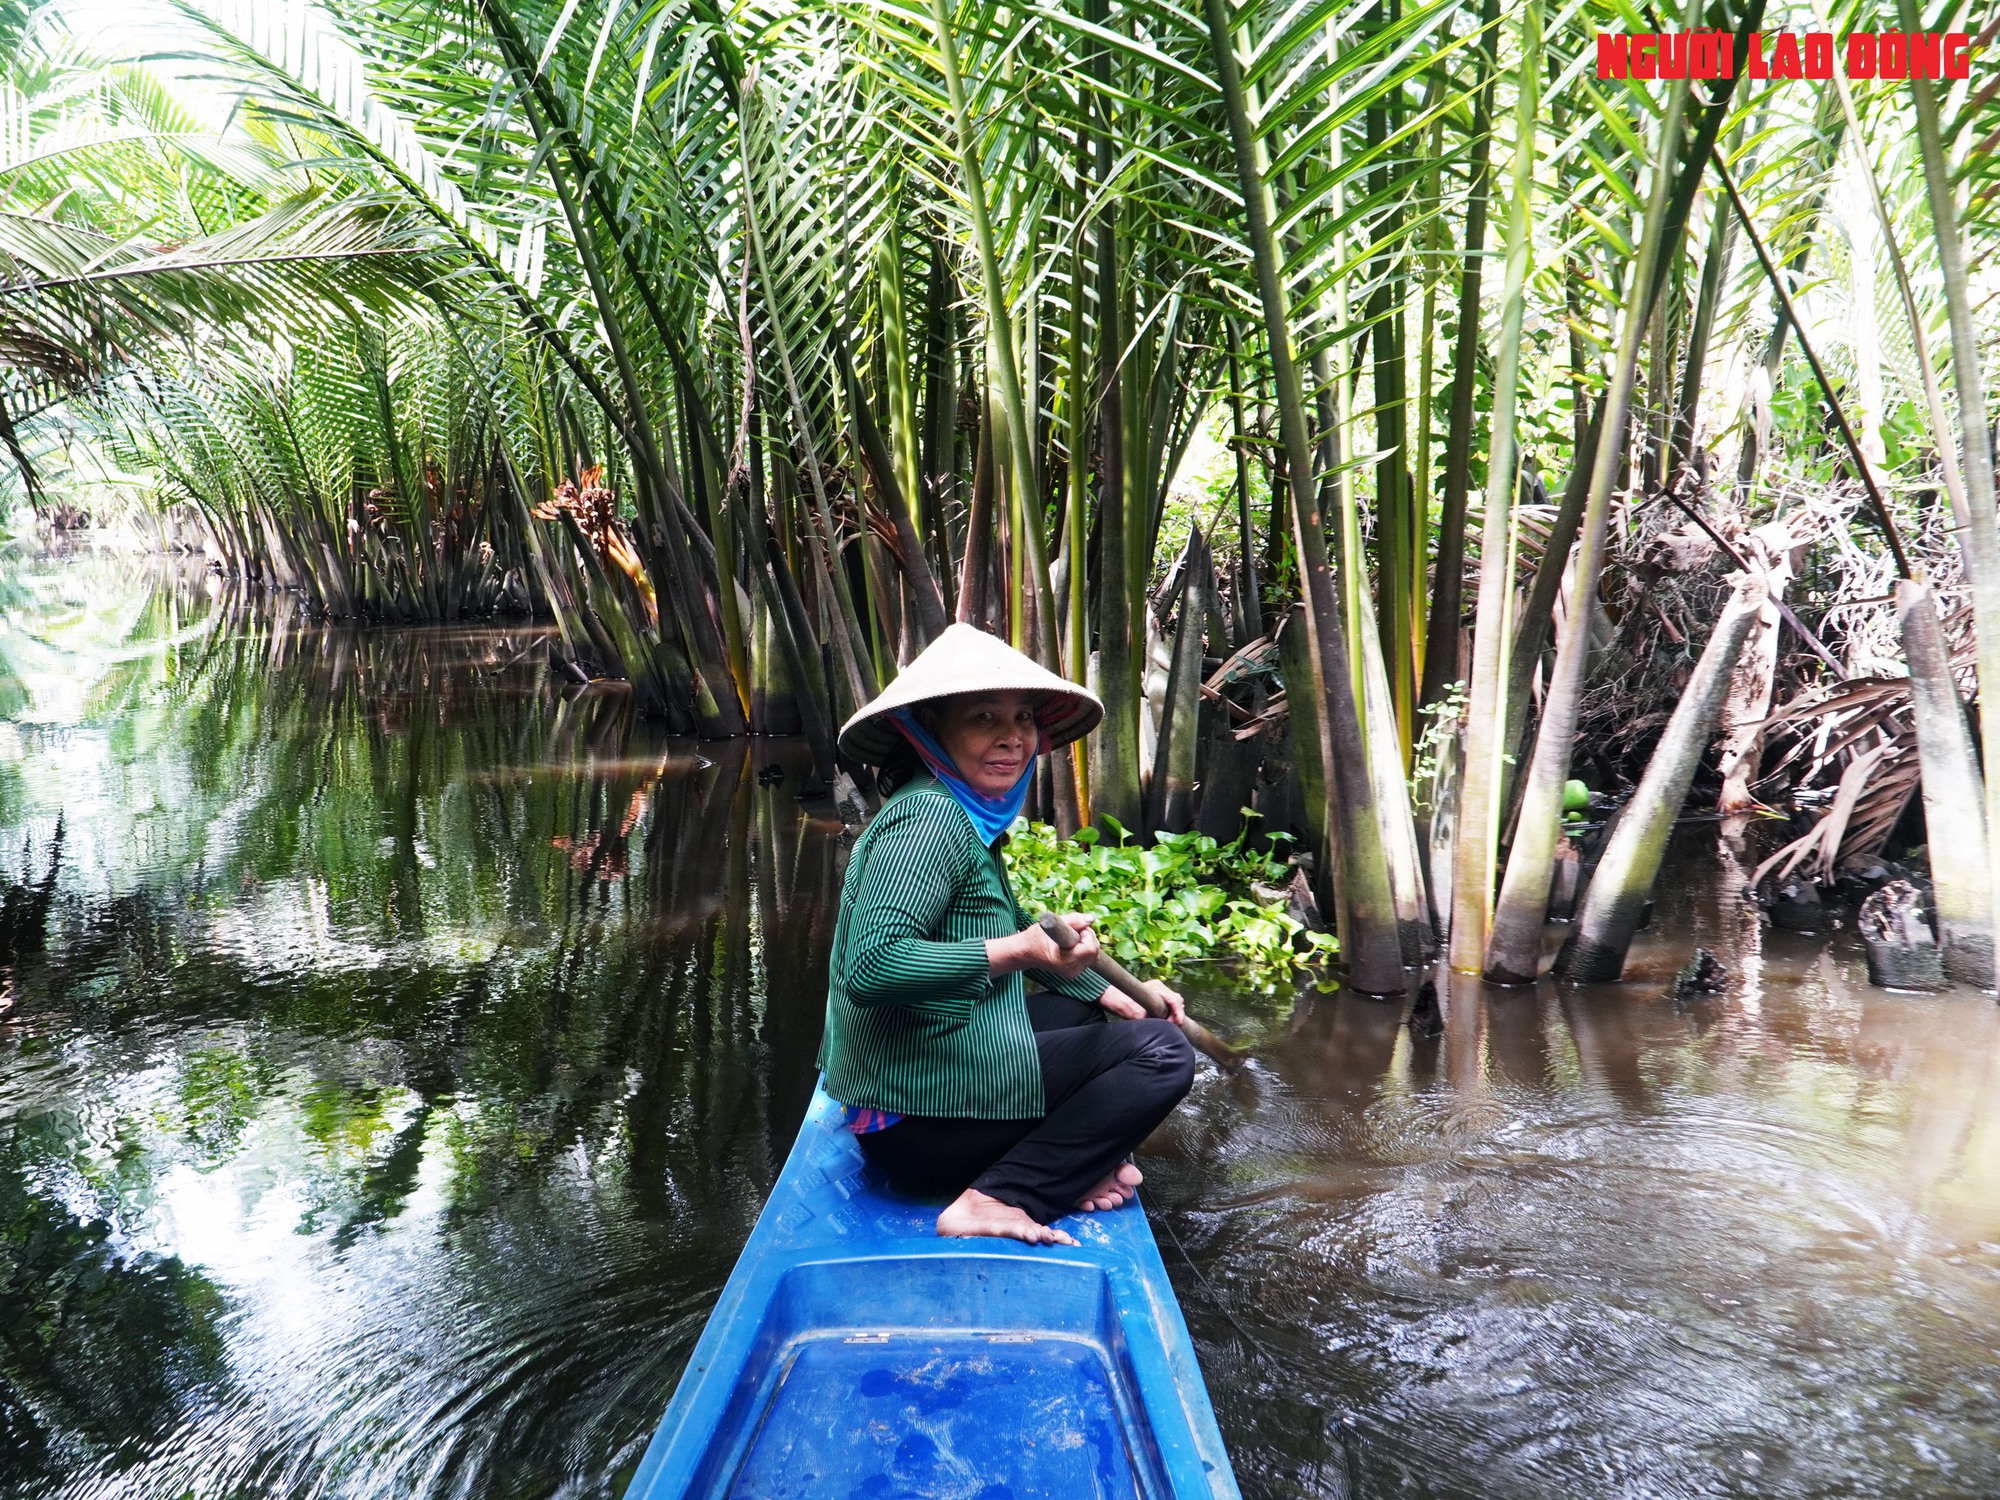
{"x":991,"y":816}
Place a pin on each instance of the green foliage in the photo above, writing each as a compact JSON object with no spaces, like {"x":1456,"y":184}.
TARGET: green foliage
{"x":1442,"y":723}
{"x":374,"y":448}
{"x":1905,"y":437}
{"x":1184,"y":900}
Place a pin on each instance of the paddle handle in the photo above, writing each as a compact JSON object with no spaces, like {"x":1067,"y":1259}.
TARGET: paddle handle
{"x":1121,"y":979}
{"x":1115,"y":974}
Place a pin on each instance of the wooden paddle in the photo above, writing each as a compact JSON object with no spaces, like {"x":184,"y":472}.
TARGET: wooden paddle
{"x":1120,"y":978}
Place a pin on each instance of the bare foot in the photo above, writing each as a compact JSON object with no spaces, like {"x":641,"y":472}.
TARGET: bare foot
{"x":1115,"y":1191}
{"x":972,"y":1214}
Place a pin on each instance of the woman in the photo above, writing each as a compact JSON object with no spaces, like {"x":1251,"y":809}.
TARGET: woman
{"x":1020,"y":1107}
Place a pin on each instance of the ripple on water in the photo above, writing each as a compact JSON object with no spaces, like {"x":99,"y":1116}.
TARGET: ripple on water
{"x":410,"y":1362}
{"x":1727,"y":1282}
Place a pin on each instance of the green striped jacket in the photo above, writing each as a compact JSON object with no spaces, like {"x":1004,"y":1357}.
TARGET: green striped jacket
{"x":915,"y":1024}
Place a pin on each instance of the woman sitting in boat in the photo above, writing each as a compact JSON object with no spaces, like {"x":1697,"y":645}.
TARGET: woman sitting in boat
{"x":959,"y":1080}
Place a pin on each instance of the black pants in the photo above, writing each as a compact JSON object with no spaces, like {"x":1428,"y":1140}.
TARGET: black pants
{"x":1107,"y":1085}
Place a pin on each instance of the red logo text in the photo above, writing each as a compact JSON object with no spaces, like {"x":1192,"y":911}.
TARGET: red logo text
{"x":1792,"y":54}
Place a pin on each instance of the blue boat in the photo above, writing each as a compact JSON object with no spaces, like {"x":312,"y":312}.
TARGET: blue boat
{"x":854,"y":1353}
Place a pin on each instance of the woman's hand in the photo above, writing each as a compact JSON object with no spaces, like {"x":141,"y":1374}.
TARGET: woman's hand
{"x":1032,"y":948}
{"x":1131,"y":1010}
{"x":1123,"y":1006}
{"x":1176,"y":1007}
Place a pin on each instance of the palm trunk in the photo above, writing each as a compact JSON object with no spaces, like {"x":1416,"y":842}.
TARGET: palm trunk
{"x":1278,"y":526}
{"x":884,"y":470}
{"x":1393,"y":812}
{"x":1077,"y":411}
{"x":1983,"y":544}
{"x":896,"y":376}
{"x":1250,"y":596}
{"x":1304,"y":723}
{"x":1020,"y":458}
{"x":1114,"y":778}
{"x":1370,"y":942}
{"x":1631,"y":863}
{"x":1480,"y":798}
{"x":976,"y":566}
{"x":720,"y":706}
{"x":1537,"y":620}
{"x":1170,"y":798}
{"x":1713,"y":265}
{"x":1394,"y":526}
{"x":1513,"y":949}
{"x":850,"y":644}
{"x":1708,"y":122}
{"x":1447,"y":586}
{"x":786,"y":615}
{"x":1420,"y":472}
{"x":939,"y":454}
{"x":1954,"y":811}
{"x":1656,"y":412}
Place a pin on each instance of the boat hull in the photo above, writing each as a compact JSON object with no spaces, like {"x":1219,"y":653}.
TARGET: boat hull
{"x":853,"y":1352}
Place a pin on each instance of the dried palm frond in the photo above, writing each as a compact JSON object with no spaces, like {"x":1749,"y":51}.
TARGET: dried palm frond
{"x":1826,"y":836}
{"x":1862,"y":732}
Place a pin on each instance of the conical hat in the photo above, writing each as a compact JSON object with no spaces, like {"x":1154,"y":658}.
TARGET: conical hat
{"x":966,"y":659}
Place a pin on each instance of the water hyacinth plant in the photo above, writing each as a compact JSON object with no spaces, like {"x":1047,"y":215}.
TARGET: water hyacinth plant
{"x":1187,"y":898}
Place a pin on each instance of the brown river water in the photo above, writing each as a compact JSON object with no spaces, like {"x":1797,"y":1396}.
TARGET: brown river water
{"x":400,"y":1050}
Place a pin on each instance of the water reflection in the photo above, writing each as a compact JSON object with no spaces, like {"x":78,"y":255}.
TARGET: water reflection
{"x":406,"y":1055}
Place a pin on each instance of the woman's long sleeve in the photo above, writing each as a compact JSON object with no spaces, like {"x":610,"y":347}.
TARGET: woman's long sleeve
{"x":914,"y":871}
{"x":1089,"y":985}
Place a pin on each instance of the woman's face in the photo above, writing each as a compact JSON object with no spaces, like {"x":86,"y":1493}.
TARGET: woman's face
{"x":989,"y":737}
